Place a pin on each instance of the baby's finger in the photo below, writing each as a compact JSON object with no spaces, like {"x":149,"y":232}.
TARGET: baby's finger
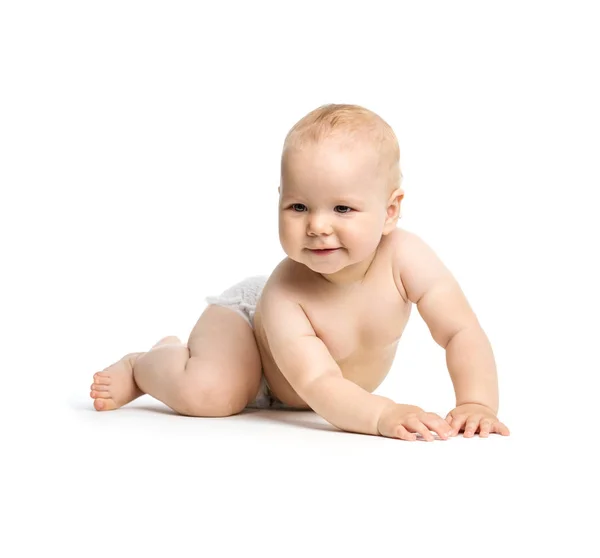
{"x":471,"y":426}
{"x":500,"y":428}
{"x":404,"y":434}
{"x":437,"y":424}
{"x":457,"y":423}
{"x":449,"y":419}
{"x":415,"y":425}
{"x":485,"y":428}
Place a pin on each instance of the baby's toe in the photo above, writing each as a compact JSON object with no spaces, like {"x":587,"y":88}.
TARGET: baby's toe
{"x":101,"y":378}
{"x":99,"y":387}
{"x":101,"y":404}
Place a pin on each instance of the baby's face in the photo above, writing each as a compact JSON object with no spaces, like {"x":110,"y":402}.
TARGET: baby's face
{"x":332,"y":198}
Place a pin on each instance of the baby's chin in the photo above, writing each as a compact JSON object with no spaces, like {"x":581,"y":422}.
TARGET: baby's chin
{"x":325,"y":263}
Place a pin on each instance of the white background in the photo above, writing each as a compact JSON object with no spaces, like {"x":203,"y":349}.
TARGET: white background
{"x":139,"y":164}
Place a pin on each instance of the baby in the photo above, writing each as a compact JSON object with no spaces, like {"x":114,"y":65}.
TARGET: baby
{"x":322,"y":330}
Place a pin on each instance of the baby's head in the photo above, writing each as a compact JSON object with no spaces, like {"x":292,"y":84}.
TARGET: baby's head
{"x":340,"y":187}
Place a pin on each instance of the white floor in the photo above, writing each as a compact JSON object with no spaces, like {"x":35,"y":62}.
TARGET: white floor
{"x":142,"y":481}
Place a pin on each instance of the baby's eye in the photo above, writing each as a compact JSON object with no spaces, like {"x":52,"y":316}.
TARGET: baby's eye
{"x":294,"y":206}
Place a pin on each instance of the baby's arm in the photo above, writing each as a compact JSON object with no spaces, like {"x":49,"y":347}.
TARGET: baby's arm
{"x":451,"y":321}
{"x":311,"y":370}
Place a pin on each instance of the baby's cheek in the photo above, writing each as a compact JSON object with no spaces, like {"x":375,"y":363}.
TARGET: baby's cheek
{"x":284,"y":232}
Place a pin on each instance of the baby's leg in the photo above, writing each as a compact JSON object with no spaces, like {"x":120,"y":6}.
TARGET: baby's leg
{"x":218,"y":375}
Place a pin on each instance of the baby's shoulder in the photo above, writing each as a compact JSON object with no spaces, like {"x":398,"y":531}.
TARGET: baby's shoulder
{"x":410,"y":255}
{"x":287,"y":280}
{"x":406,"y":246}
{"x":400,"y":237}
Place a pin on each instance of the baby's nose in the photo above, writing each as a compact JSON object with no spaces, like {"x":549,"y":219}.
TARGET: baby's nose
{"x":319,"y":224}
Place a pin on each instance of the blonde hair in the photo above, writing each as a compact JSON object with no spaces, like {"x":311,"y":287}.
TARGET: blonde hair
{"x":350,"y":124}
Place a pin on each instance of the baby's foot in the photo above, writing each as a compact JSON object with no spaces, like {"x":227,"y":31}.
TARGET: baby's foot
{"x":115,"y":386}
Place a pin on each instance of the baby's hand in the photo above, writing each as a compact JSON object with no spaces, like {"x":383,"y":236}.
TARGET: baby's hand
{"x":406,"y":421}
{"x":472,"y":417}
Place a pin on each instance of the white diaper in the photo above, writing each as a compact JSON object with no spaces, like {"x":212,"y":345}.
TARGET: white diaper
{"x":242,"y":297}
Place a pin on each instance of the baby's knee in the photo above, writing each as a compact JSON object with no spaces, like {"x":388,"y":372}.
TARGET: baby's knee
{"x":211,"y":401}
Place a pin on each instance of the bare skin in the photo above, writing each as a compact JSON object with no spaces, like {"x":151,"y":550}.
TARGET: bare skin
{"x":215,"y":374}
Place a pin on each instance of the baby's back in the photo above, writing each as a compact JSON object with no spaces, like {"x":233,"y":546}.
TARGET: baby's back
{"x":360,"y":325}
